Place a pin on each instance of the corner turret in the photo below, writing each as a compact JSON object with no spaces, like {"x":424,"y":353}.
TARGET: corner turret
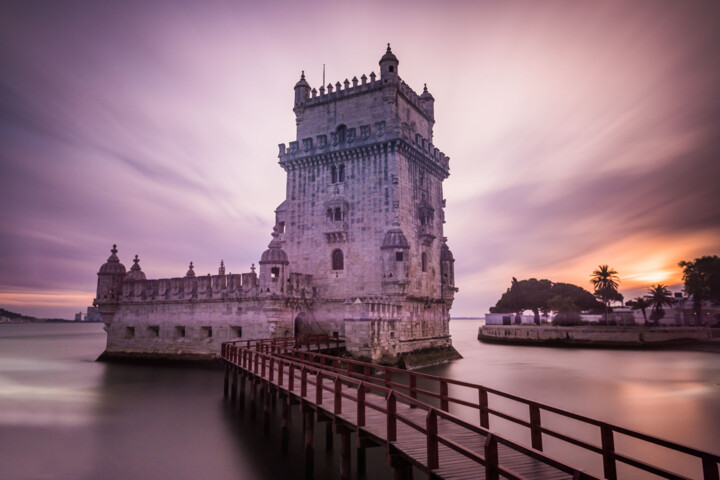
{"x":110,"y":279}
{"x":274,"y":271}
{"x":302,"y":94}
{"x":389,"y":66}
{"x":135,"y":272}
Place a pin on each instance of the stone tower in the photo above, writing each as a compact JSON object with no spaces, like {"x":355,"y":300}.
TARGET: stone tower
{"x":364,"y":214}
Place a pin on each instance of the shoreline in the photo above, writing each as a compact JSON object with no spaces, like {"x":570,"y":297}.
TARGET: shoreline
{"x":632,"y":338}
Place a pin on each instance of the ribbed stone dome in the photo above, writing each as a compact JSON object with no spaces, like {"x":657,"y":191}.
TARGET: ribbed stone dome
{"x":302,"y":82}
{"x":274,"y":254}
{"x":389,"y":56}
{"x":113,"y":265}
{"x":395,"y":239}
{"x":135,"y":272}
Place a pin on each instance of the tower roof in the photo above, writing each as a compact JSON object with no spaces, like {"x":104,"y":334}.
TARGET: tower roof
{"x":135,"y":272}
{"x":113,"y":265}
{"x":302,"y":82}
{"x":395,"y":238}
{"x":389,"y":56}
{"x":274,"y":253}
{"x":190,"y":272}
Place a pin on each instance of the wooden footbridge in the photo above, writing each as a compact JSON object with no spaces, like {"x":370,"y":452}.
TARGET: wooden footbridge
{"x":409,"y":414}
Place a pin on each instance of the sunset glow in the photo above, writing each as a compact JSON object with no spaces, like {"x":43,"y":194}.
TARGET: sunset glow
{"x":579,"y":134}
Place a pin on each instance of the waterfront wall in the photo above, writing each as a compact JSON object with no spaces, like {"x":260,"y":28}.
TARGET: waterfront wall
{"x":591,"y":336}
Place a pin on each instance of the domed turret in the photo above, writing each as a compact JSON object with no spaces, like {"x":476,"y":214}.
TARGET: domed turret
{"x":135,"y":272}
{"x":190,"y":273}
{"x":274,"y":267}
{"x":395,"y":238}
{"x":113,"y":265}
{"x":447,"y":268}
{"x":428,"y":102}
{"x":389,"y":66}
{"x":302,"y":91}
{"x":109,"y":286}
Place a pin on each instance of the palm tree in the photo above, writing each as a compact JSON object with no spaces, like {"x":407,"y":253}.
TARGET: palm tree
{"x":606,"y":281}
{"x":659,"y":296}
{"x":642,"y":304}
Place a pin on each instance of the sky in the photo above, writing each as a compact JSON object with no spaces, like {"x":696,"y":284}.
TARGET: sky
{"x":579,"y":134}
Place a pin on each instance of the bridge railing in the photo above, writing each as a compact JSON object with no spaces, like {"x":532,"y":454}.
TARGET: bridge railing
{"x":288,"y":344}
{"x":437,"y":388}
{"x":301,"y":374}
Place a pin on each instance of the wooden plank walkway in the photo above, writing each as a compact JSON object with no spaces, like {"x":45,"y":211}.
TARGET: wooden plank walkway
{"x":408,"y":413}
{"x":339,"y":402}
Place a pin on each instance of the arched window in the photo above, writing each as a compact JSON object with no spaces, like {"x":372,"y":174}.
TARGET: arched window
{"x":338,"y":260}
{"x":329,"y":215}
{"x":333,"y":174}
{"x":424,"y":262}
{"x":341,"y":173}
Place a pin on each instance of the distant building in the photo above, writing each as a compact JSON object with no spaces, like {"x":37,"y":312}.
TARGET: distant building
{"x":357,"y":247}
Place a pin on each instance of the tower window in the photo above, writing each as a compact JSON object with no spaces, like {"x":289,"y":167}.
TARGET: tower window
{"x":391,"y":69}
{"x":180,"y":332}
{"x":338,"y":214}
{"x":129,"y":332}
{"x":235,"y":332}
{"x":329,"y":214}
{"x":398,"y":256}
{"x":154,"y":331}
{"x":341,"y":173}
{"x":274,"y":272}
{"x":206,"y":332}
{"x":333,"y":174}
{"x":281,"y":227}
{"x":338,"y":260}
{"x":424,"y":262}
{"x":341,"y":133}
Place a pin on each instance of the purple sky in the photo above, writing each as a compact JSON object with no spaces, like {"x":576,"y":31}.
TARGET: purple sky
{"x":580,"y":133}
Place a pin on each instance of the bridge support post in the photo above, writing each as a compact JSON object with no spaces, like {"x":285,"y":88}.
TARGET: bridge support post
{"x":285,"y":422}
{"x":233,"y":391}
{"x":328,"y":436}
{"x":309,"y":427}
{"x":345,"y":453}
{"x":227,"y":380}
{"x":242,"y":388}
{"x":402,"y":470}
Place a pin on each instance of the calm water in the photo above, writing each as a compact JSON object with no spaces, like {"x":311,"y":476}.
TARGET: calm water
{"x":63,"y":416}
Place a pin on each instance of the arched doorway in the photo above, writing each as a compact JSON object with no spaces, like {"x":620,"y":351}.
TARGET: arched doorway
{"x":302,"y":325}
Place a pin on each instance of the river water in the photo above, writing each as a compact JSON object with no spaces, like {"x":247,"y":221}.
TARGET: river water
{"x":65,"y":416}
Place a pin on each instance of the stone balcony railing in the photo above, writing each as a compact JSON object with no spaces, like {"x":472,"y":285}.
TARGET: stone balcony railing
{"x":426,"y":234}
{"x":336,"y":231}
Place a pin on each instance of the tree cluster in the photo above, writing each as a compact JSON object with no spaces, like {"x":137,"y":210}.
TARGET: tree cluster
{"x":543,"y":296}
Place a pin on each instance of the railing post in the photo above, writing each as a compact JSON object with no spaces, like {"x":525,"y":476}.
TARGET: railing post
{"x":491,"y":458}
{"x":388,"y":378}
{"x":413,"y":389}
{"x":291,"y":377}
{"x":483,"y":403}
{"x":432,"y":440}
{"x":272,"y":369}
{"x":391,"y":420}
{"x":319,"y":388}
{"x":710,"y":469}
{"x":338,"y":396}
{"x":535,"y":429}
{"x":303,"y":382}
{"x":255,"y":363}
{"x":444,"y":404}
{"x":361,"y":404}
{"x":608,"y":452}
{"x":281,"y":371}
{"x":262,"y":371}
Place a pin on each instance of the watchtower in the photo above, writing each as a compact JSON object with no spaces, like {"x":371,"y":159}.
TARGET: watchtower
{"x":364,"y":212}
